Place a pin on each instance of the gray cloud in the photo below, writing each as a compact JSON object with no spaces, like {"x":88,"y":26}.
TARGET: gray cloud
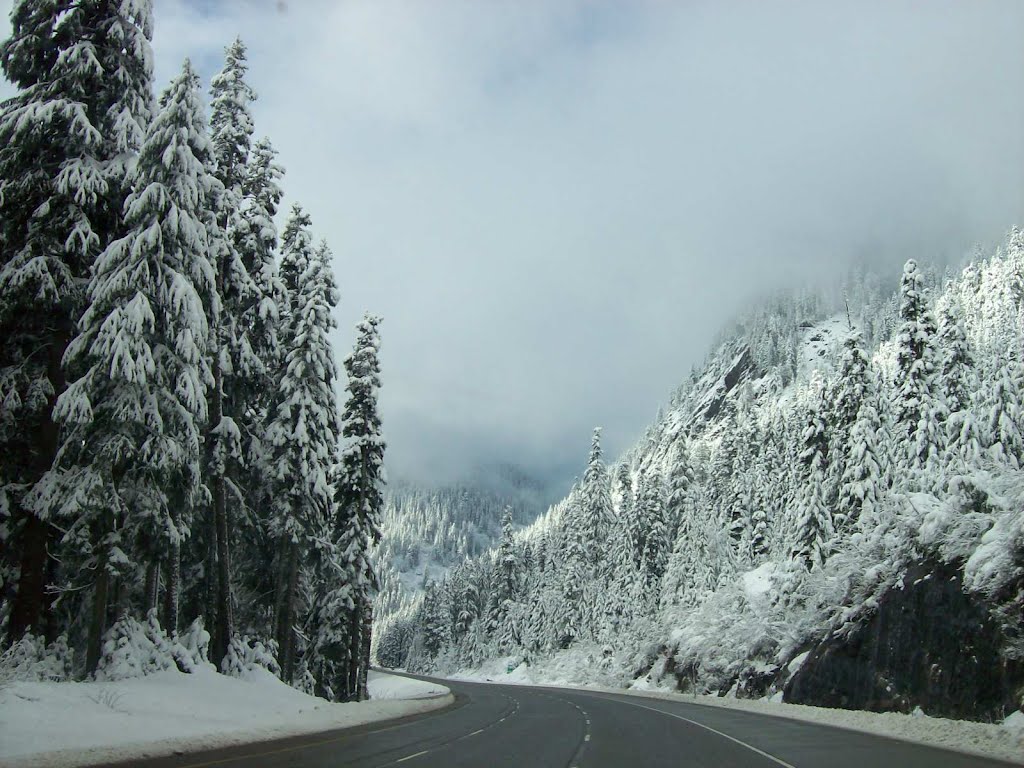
{"x":555,"y":206}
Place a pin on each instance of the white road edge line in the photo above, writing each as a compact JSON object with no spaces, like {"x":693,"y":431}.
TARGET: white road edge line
{"x":752,"y":748}
{"x":410,"y":757}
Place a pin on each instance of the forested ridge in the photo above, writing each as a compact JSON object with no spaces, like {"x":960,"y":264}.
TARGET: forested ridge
{"x":775,"y":509}
{"x":427,"y":531}
{"x":178,"y":484}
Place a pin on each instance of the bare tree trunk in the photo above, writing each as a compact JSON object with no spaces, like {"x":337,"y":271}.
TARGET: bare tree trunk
{"x":224,"y":621}
{"x":97,"y":625}
{"x":210,"y":576}
{"x":366,"y":631}
{"x":280,"y":590}
{"x":32,"y":606}
{"x":173,"y":585}
{"x":286,"y":613}
{"x":354,"y":651}
{"x":30,"y":601}
{"x":152,"y":585}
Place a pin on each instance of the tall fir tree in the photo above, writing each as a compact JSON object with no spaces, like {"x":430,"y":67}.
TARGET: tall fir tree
{"x":849,"y":394}
{"x":596,"y":503}
{"x":918,"y":411}
{"x":237,"y":370}
{"x":813,"y":526}
{"x":302,"y":435}
{"x":678,"y":482}
{"x":68,"y":138}
{"x":652,"y":542}
{"x":360,"y":494}
{"x":127,"y":473}
{"x":262,"y":319}
{"x":958,"y":383}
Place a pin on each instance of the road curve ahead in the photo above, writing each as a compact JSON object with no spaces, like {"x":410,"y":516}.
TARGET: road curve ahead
{"x":501,"y":726}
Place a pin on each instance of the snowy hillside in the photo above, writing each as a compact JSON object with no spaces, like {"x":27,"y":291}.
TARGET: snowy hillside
{"x":425,"y":532}
{"x":828,"y":511}
{"x":51,"y":724}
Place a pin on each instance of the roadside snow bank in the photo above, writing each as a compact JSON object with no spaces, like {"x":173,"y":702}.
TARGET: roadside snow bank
{"x":74,"y":724}
{"x":383,"y":686}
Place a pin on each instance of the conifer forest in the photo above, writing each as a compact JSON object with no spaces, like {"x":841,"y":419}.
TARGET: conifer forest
{"x":179,"y":481}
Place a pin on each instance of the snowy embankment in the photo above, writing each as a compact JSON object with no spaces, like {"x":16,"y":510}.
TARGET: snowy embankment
{"x":72,"y":724}
{"x":1003,"y":741}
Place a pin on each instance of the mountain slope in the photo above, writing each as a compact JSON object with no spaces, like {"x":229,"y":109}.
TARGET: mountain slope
{"x":791,"y":518}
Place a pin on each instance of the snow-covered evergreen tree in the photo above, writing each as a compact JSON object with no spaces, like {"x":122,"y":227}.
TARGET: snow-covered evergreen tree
{"x":303,"y":432}
{"x":237,"y":371}
{"x":813,"y":525}
{"x":360,"y":494}
{"x":68,"y":138}
{"x":257,"y":243}
{"x":918,"y":409}
{"x":596,"y":503}
{"x":127,"y":472}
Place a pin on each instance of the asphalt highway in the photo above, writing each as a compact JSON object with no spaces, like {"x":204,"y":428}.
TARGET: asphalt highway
{"x":503,"y":726}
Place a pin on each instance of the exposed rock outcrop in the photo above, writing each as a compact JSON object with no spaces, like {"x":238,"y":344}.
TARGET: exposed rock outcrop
{"x":927,"y":645}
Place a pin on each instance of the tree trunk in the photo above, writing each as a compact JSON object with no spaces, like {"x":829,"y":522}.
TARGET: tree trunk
{"x":97,"y":625}
{"x":366,"y":631}
{"x":31,"y":603}
{"x":286,"y":610}
{"x":209,"y":606}
{"x":354,"y":652}
{"x":173,"y":585}
{"x":152,"y":585}
{"x":224,"y":622}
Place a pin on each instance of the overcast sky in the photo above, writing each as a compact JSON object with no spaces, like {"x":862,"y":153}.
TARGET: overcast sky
{"x":556,"y":205}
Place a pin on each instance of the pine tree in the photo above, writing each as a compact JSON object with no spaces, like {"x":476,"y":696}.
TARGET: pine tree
{"x":863,"y":482}
{"x":852,"y":389}
{"x":917,"y":408}
{"x":303,"y":433}
{"x":958,"y":381}
{"x":813,"y":529}
{"x":257,"y":243}
{"x":67,"y":140}
{"x":127,"y":472}
{"x":360,"y":493}
{"x":678,"y":482}
{"x":507,"y":568}
{"x":236,"y":369}
{"x":596,"y":503}
{"x":1006,"y":414}
{"x":652,"y":541}
{"x":847,"y":394}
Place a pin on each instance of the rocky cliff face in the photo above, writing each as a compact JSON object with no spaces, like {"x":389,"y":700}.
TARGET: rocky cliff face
{"x":928,"y":644}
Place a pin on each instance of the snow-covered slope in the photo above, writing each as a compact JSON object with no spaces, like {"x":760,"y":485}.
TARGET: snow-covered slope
{"x":835,"y":486}
{"x":54,"y":724}
{"x":426,"y":531}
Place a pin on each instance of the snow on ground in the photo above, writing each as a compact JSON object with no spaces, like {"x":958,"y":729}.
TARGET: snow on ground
{"x":758,"y":582}
{"x":1005,"y":741}
{"x":822,"y":342}
{"x":383,"y":686}
{"x":71,"y":724}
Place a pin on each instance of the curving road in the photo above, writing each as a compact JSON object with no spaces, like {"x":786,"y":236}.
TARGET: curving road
{"x":494,"y":726}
